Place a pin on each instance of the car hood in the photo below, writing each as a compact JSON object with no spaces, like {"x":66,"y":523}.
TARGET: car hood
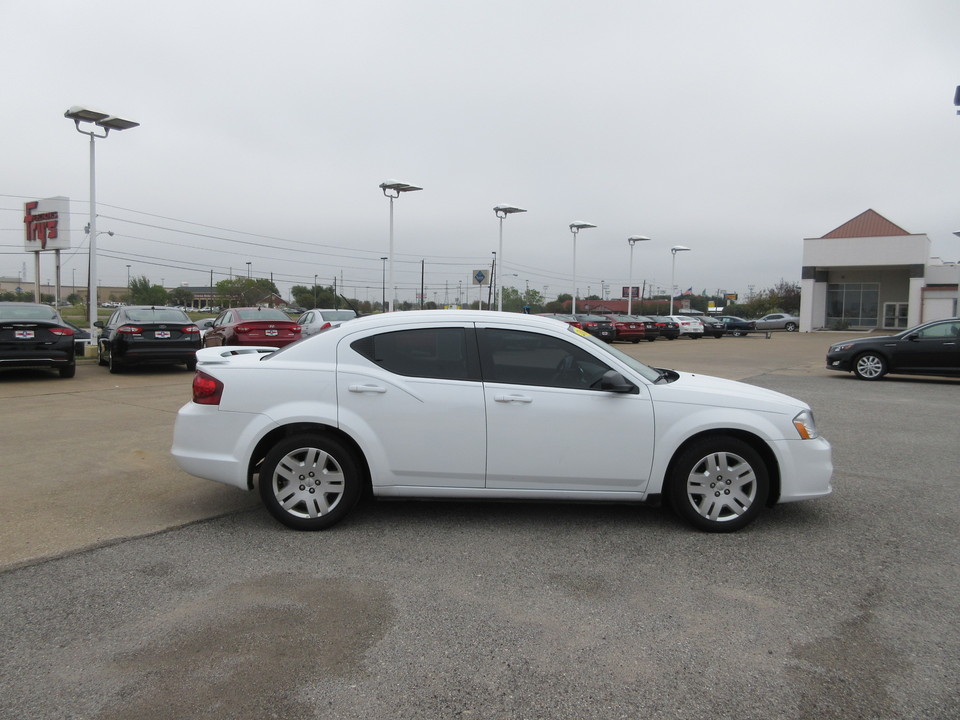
{"x":697,"y":389}
{"x":873,"y":339}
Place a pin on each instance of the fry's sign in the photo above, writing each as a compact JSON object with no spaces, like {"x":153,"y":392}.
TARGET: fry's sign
{"x":46,"y":224}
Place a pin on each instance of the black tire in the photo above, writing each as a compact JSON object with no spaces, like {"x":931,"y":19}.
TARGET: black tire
{"x":635,"y":340}
{"x":737,"y":333}
{"x":653,"y":339}
{"x":309,"y":482}
{"x":191,"y":364}
{"x":790,"y":327}
{"x":718,"y":484}
{"x":68,"y":371}
{"x":869,"y":366}
{"x":101,"y":360}
{"x":115,"y":366}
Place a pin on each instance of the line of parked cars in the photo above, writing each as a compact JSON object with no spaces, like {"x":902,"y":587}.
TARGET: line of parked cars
{"x":634,"y":328}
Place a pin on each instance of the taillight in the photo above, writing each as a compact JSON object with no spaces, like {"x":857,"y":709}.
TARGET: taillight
{"x":241,"y":329}
{"x":326,"y":326}
{"x":62,"y":331}
{"x":207,"y":390}
{"x":191,"y":329}
{"x":297,"y":328}
{"x":589,"y":324}
{"x":129,"y":329}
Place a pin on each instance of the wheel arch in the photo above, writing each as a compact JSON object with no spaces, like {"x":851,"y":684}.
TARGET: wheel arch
{"x":754,"y":441}
{"x":284,"y":431}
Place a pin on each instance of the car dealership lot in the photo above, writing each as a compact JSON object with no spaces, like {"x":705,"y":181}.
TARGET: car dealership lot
{"x":840,"y":607}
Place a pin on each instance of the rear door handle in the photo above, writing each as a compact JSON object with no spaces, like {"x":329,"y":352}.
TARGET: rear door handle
{"x":513,"y":398}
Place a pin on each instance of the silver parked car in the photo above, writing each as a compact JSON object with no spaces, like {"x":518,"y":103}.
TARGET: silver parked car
{"x":779,"y":321}
{"x":314,"y":321}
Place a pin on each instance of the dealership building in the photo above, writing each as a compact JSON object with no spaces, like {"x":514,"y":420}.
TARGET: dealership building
{"x":872,"y":274}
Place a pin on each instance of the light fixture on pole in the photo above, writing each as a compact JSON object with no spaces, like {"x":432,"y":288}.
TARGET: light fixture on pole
{"x":248,"y":269}
{"x":128,"y":278}
{"x":633,"y":240}
{"x":107,"y":122}
{"x":392,"y":190}
{"x":576,"y":227}
{"x":673,"y":267}
{"x":314,"y":291}
{"x":502,"y":211}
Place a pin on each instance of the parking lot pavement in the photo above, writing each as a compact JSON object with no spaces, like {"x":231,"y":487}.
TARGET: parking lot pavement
{"x":844,"y":607}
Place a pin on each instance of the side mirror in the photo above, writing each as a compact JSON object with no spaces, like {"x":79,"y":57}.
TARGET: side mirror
{"x":913,"y":337}
{"x":614,"y":382}
{"x":98,"y":323}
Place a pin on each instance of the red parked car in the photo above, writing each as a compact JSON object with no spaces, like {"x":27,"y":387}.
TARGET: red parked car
{"x":628,"y":328}
{"x":252,"y":326}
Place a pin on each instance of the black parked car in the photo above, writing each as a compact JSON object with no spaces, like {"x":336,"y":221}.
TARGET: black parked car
{"x":143,"y":334}
{"x":929,"y":349}
{"x":34,"y":335}
{"x":736,"y":326}
{"x":666,"y":327}
{"x":650,"y":329}
{"x":598,"y":326}
{"x":712,"y":326}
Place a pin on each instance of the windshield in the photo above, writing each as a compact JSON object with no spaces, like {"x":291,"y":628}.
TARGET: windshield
{"x":648,"y":372}
{"x":338,"y":314}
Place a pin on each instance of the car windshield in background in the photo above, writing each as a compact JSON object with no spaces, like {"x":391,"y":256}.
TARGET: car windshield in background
{"x":156,"y":315}
{"x":265,"y":314}
{"x":27,"y":312}
{"x":648,"y":372}
{"x":338,"y":314}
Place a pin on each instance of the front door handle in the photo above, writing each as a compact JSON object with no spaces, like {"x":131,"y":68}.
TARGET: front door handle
{"x":513,"y":398}
{"x":366,"y":389}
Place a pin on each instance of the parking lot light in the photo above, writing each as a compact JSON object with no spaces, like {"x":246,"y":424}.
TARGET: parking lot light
{"x":107,"y":122}
{"x":633,"y":240}
{"x":673,"y":267}
{"x":392,"y":190}
{"x":576,"y":227}
{"x":502,"y":211}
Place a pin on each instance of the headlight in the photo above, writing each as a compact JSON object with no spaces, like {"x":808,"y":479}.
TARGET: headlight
{"x":805,"y":426}
{"x":840,"y":348}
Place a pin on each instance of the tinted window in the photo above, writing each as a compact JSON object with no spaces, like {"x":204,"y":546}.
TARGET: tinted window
{"x":266,"y":314}
{"x":524,"y":358}
{"x":150,"y":315}
{"x":942,"y":330}
{"x":430,"y":352}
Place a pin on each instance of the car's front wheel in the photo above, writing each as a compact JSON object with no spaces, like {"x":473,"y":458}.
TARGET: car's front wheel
{"x":719,"y":484}
{"x":869,"y":366}
{"x":309,"y":482}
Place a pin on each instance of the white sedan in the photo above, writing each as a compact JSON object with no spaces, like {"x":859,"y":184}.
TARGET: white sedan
{"x":480,"y":405}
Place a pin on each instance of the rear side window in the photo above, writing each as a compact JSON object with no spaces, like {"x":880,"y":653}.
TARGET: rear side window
{"x":444,"y":353}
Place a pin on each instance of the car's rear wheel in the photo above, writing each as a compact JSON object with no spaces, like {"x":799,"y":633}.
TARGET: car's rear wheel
{"x":869,"y":366}
{"x":309,"y":482}
{"x":114,"y":365}
{"x":790,"y":327}
{"x":101,"y":355}
{"x":719,"y":484}
{"x":191,"y":364}
{"x":737,"y":333}
{"x":68,"y":371}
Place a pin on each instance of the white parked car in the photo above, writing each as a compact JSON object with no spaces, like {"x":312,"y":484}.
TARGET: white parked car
{"x":690,"y":326}
{"x":476,"y":405}
{"x":778,"y":321}
{"x":314,"y":321}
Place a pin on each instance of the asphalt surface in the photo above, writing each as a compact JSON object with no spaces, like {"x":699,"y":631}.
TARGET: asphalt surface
{"x":129,"y":589}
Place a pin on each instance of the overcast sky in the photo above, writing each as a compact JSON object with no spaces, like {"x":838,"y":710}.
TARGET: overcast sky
{"x":736,"y":128}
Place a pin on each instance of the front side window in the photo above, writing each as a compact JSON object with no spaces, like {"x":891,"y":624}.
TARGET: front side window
{"x":524,"y":358}
{"x":444,"y":353}
{"x":940,"y":331}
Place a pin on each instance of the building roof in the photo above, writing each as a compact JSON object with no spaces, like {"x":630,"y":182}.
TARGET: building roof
{"x":869,"y":223}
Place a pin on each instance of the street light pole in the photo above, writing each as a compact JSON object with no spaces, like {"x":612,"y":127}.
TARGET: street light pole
{"x":383,"y":284}
{"x":673,"y":267}
{"x":576,"y":227}
{"x":502,"y":211}
{"x":107,"y":123}
{"x":633,"y":240}
{"x":392,"y":190}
